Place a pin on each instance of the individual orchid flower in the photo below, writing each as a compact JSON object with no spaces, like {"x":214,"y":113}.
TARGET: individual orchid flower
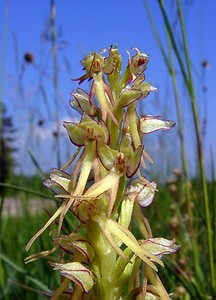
{"x":125,"y":162}
{"x":129,"y":97}
{"x":96,"y":62}
{"x":96,"y":66}
{"x":139,"y":193}
{"x":118,"y":164}
{"x":84,"y":134}
{"x":138,"y":63}
{"x":104,"y":96}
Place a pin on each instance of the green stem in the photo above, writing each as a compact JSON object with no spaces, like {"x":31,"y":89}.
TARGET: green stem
{"x":114,"y":128}
{"x":103,"y":263}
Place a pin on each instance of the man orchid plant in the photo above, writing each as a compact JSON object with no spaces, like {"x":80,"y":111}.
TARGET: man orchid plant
{"x":106,"y":190}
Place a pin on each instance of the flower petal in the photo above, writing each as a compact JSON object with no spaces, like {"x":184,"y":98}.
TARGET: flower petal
{"x":142,"y":193}
{"x":60,"y":178}
{"x":150,"y":124}
{"x":138,"y":62}
{"x":76,"y":272}
{"x":75,"y":241}
{"x":81,"y":103}
{"x":160,"y":246}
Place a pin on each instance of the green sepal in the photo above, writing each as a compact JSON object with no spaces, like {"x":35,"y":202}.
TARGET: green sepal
{"x":138,"y":63}
{"x":53,"y":186}
{"x":132,"y":157}
{"x":159,"y":246}
{"x":76,"y":272}
{"x":137,"y":90}
{"x":81,"y":103}
{"x":107,"y":155}
{"x":75,"y":241}
{"x":59,"y":182}
{"x":129,"y":95}
{"x":87,"y":130}
{"x":150,"y":124}
{"x":141,"y":192}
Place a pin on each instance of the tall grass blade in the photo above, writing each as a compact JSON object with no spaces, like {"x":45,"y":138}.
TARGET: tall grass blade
{"x":185,"y":67}
{"x":36,"y":164}
{"x":200,"y":153}
{"x":27,"y":190}
{"x":55,"y":77}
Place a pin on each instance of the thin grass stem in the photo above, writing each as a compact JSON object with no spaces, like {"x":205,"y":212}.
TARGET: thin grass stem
{"x":55,"y":77}
{"x":27,"y":190}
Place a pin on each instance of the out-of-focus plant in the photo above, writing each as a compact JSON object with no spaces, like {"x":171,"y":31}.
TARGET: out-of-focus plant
{"x":7,"y":138}
{"x":106,"y":191}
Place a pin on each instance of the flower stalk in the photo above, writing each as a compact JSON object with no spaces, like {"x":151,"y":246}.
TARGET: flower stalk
{"x":102,"y":258}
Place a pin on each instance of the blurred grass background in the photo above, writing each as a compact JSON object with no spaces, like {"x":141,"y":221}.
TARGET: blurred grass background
{"x":184,"y":207}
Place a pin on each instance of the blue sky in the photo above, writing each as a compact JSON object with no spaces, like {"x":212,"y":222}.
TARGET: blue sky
{"x":85,"y":26}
